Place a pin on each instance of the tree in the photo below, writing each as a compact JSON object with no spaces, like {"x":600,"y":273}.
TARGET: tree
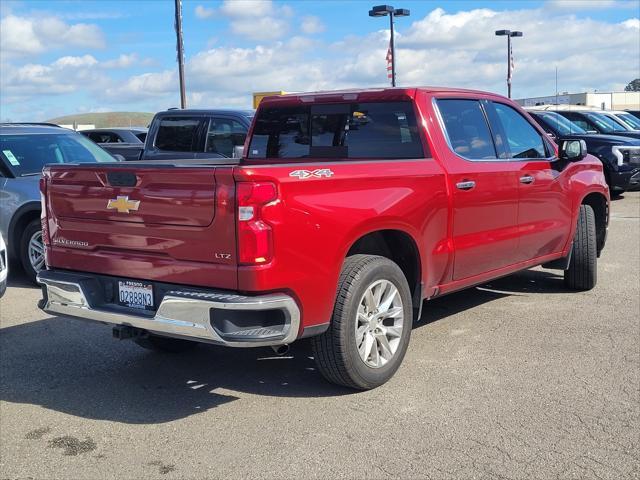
{"x":634,"y":86}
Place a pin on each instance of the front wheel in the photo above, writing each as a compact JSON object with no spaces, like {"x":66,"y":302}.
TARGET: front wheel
{"x":370,"y":327}
{"x":583,"y":267}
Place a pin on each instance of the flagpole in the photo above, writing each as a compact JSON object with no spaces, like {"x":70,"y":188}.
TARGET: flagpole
{"x":382,"y":11}
{"x":509,"y":34}
{"x":509,"y":66}
{"x":393,"y":52}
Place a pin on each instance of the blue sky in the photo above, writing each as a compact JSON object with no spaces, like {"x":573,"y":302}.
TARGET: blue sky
{"x":61,"y":57}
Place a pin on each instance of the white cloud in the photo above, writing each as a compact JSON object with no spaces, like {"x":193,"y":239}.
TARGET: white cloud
{"x":311,"y":24}
{"x":20,"y":35}
{"x":252,"y":19}
{"x":247,"y":8}
{"x":265,"y":28}
{"x":450,"y":49}
{"x":204,"y":12}
{"x":63,"y":76}
{"x":123,"y":61}
{"x":575,"y":5}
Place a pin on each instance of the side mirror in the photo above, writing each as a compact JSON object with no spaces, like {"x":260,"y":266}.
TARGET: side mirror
{"x":118,"y":157}
{"x":573,"y":150}
{"x":238,"y":151}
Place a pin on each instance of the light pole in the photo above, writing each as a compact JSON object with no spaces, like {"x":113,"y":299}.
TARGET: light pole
{"x":508,"y":34}
{"x":383,"y":11}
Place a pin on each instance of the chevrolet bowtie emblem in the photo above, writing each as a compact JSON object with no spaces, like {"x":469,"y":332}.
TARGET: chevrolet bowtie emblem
{"x":123,"y":204}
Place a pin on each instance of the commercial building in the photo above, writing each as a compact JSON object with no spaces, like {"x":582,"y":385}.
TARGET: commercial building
{"x":598,"y":100}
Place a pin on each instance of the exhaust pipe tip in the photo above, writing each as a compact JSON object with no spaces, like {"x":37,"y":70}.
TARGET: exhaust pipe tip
{"x":280,"y":349}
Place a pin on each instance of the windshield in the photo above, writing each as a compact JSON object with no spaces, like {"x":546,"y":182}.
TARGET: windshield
{"x":631,"y":121}
{"x":563,"y":126}
{"x":606,"y":123}
{"x":26,"y":154}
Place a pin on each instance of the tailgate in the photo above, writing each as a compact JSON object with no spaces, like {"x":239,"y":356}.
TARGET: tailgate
{"x":159,"y":222}
{"x":141,"y":195}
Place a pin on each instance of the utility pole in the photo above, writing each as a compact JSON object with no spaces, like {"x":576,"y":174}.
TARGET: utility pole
{"x":180,"y":52}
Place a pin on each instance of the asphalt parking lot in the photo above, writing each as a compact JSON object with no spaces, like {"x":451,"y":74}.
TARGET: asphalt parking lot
{"x":516,"y":379}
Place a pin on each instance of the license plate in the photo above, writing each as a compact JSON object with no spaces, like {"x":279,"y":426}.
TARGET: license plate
{"x":135,"y":294}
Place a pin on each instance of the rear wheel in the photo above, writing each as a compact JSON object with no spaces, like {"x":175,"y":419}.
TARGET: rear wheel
{"x":583,"y":267}
{"x":32,"y":249}
{"x":165,"y":344}
{"x":370,"y":327}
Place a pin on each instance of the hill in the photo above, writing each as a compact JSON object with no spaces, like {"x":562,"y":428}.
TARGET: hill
{"x":106,"y":119}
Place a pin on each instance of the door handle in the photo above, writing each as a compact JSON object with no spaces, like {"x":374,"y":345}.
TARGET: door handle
{"x":466,"y":185}
{"x":527,"y":179}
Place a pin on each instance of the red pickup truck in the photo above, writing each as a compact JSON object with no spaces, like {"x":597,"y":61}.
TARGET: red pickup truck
{"x":348,"y":210}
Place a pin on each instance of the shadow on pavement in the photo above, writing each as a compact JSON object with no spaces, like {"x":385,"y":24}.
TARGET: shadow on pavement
{"x":522,"y":283}
{"x":17,"y":277}
{"x":76,"y":367}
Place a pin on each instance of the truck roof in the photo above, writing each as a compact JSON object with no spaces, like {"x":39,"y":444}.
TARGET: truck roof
{"x":373,"y":93}
{"x":207,"y":111}
{"x":26,"y":127}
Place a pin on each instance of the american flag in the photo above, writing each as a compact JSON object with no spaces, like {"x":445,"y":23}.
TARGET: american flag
{"x":513,"y":65}
{"x":389,"y":61}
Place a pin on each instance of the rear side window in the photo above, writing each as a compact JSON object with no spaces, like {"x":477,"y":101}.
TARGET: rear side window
{"x":179,"y":134}
{"x":467,"y":129}
{"x":523,"y":140}
{"x":105,"y":137}
{"x":386,"y":130}
{"x":224,"y":134}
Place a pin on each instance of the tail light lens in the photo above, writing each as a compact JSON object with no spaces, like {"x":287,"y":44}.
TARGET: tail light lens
{"x":43,"y":211}
{"x":255,"y":236}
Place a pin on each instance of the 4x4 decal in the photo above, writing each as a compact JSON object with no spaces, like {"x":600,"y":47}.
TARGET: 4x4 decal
{"x":319,"y":173}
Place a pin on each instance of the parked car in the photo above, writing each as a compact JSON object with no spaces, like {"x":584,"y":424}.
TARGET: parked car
{"x":635,"y":113}
{"x":197,"y":134}
{"x":128,"y":142}
{"x":24,"y":150}
{"x":620,"y":156}
{"x":349,"y":209}
{"x":597,"y":122}
{"x":632,"y":122}
{"x":4,"y":266}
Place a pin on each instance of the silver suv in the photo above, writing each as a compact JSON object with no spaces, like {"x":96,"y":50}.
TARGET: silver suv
{"x":24,"y":149}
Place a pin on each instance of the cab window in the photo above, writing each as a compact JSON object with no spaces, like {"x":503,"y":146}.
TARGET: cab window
{"x":523,"y":140}
{"x":466,"y":128}
{"x":223,"y":135}
{"x":179,"y":134}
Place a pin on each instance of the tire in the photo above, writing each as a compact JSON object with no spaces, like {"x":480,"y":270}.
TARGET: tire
{"x":336,"y":351}
{"x":33,"y":232}
{"x":583,"y":267}
{"x":3,"y":288}
{"x":165,"y":344}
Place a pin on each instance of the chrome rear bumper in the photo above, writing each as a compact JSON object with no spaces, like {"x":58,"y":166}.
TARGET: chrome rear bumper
{"x":181,"y":313}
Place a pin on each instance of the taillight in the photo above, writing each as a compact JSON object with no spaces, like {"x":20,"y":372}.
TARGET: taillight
{"x":255,"y":237}
{"x":43,"y":211}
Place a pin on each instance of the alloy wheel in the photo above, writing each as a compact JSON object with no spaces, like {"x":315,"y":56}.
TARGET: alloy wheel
{"x":379,"y":323}
{"x":36,"y":251}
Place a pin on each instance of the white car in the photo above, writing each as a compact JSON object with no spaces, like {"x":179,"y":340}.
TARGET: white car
{"x":4,"y":266}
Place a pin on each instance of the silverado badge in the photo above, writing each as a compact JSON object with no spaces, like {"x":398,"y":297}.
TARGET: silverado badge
{"x":123,"y":204}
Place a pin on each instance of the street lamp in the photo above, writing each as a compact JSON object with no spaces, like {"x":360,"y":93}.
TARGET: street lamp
{"x":509,"y":34}
{"x":383,"y":11}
